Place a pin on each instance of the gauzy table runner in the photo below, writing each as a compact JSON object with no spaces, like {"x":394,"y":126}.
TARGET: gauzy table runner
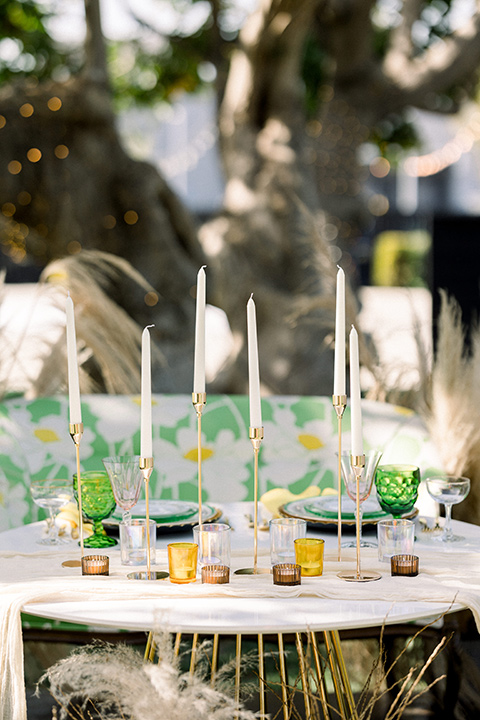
{"x":445,"y":577}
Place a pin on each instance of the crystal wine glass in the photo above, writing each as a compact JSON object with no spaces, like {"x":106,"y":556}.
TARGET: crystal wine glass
{"x":397,"y":488}
{"x":126,"y":479}
{"x":449,"y":490}
{"x":98,"y":503}
{"x":51,"y":495}
{"x":372,"y":459}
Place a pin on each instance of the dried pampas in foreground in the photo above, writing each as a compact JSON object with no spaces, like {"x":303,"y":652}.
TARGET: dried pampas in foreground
{"x":451,"y":403}
{"x":112,"y":681}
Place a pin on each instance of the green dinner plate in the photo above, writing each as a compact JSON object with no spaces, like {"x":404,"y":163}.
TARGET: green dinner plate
{"x":327,"y":507}
{"x":162,"y":511}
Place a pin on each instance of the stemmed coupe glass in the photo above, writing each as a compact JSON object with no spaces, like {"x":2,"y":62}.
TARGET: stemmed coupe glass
{"x":449,"y":490}
{"x":372,"y":459}
{"x":51,"y":495}
{"x":126,"y":480}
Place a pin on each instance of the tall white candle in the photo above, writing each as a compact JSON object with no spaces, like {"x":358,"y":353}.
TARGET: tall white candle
{"x":355,"y":408}
{"x":253,"y":367}
{"x":73,"y":382}
{"x":339,"y":386}
{"x":146,"y":398}
{"x":199,"y":360}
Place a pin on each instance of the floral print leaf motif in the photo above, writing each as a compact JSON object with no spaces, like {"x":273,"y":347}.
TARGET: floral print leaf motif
{"x":298,"y":449}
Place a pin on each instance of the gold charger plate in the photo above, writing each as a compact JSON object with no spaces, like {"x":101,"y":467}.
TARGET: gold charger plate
{"x":298,"y":509}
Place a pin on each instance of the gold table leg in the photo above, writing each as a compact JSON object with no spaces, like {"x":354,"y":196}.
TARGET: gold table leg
{"x":314,"y":699}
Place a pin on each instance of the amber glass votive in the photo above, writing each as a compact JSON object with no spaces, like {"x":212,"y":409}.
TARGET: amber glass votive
{"x":309,"y":555}
{"x":182,"y":562}
{"x":286,"y":574}
{"x":95,"y":565}
{"x":215,"y":574}
{"x":406,"y":565}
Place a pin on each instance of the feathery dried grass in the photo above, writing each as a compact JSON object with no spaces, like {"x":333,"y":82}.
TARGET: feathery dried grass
{"x":113,"y":681}
{"x":451,"y":403}
{"x":111,"y":339}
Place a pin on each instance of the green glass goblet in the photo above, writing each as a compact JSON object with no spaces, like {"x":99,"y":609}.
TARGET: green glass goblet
{"x":397,"y":488}
{"x":98,"y":503}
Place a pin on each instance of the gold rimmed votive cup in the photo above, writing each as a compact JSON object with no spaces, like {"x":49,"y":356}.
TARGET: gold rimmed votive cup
{"x":95,"y":565}
{"x":286,"y":574}
{"x":405,"y":565}
{"x":309,"y":555}
{"x":215,"y":574}
{"x":182,"y":562}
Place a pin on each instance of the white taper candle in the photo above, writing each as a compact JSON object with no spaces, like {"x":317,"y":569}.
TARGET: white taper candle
{"x":73,"y":381}
{"x":355,"y":396}
{"x":199,"y":359}
{"x":253,"y":366}
{"x":339,"y":385}
{"x":146,"y":397}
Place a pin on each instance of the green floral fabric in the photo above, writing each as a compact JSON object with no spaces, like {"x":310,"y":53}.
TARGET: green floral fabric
{"x":298,"y":449}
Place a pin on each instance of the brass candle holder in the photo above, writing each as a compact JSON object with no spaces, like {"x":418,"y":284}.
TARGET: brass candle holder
{"x":256,"y":436}
{"x":146,"y":466}
{"x":76,"y":432}
{"x":199,"y":401}
{"x":358,"y":466}
{"x":339,"y":404}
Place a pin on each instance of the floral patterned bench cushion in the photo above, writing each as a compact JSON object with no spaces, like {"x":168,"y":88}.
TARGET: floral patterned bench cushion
{"x":298,"y":449}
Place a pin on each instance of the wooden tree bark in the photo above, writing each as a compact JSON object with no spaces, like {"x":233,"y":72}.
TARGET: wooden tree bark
{"x":70,"y":186}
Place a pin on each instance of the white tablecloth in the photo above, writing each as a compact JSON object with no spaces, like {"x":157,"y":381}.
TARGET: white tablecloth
{"x":446,"y":576}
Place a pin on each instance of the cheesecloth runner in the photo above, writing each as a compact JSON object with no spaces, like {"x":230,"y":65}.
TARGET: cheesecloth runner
{"x":39,"y":577}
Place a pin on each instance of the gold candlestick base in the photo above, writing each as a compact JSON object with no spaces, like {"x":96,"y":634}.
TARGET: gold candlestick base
{"x":199,"y":401}
{"x":256,"y":436}
{"x":358,"y":465}
{"x":339,"y":405}
{"x":146,"y":466}
{"x":76,"y":432}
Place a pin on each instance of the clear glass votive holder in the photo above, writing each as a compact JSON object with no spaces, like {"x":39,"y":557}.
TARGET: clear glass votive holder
{"x":182,"y":562}
{"x":215,"y":574}
{"x":213,"y":540}
{"x":283,"y":533}
{"x":395,"y":537}
{"x":287,"y":574}
{"x":133,"y":541}
{"x":309,"y":555}
{"x":406,"y":565}
{"x":95,"y":565}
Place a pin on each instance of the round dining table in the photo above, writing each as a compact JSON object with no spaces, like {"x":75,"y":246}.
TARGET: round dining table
{"x":250,"y":604}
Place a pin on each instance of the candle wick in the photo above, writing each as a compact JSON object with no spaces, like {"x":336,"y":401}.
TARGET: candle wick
{"x":251,"y":296}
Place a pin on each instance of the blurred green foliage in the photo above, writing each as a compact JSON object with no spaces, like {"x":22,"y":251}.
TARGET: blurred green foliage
{"x":400,"y":258}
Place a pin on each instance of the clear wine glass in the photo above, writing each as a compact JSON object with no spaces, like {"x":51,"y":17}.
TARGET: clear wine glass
{"x":372,"y":459}
{"x":449,"y":490}
{"x":51,"y":495}
{"x":126,"y":480}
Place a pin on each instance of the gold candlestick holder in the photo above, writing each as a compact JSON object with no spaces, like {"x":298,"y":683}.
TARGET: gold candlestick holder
{"x":339,"y":404}
{"x":76,"y":432}
{"x":146,"y":466}
{"x":256,"y":437}
{"x":199,"y":401}
{"x":358,"y":466}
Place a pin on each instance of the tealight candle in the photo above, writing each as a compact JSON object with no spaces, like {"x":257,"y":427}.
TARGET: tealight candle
{"x":286,"y":574}
{"x":406,"y":565}
{"x":95,"y":565}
